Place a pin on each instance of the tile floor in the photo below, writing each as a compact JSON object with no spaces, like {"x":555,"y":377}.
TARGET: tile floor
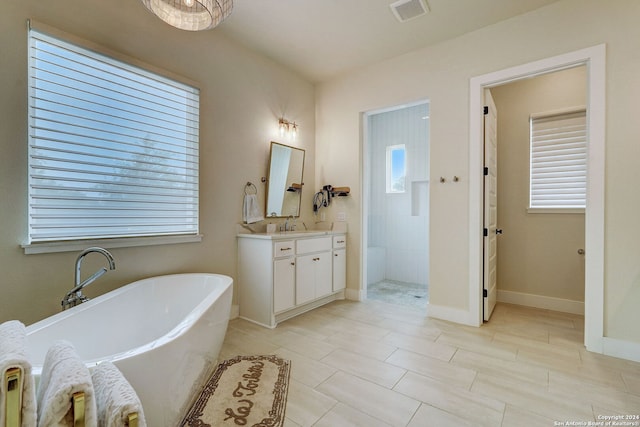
{"x":377,"y":364}
{"x":396,"y":292}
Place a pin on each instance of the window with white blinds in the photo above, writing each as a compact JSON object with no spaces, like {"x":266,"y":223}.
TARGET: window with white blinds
{"x":559,"y":161}
{"x":113,"y":148}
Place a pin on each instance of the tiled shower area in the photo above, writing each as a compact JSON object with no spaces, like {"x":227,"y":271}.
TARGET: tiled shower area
{"x":398,"y":205}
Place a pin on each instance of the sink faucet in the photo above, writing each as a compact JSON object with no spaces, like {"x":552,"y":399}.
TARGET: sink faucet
{"x":75,"y":296}
{"x":288,"y":226}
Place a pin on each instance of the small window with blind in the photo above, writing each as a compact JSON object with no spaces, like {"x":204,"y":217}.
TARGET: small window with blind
{"x":558,"y":168}
{"x":113,"y":148}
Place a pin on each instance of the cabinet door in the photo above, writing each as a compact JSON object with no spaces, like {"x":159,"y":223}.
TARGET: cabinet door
{"x":323,"y":274}
{"x":284,"y":277}
{"x":305,"y":278}
{"x":339,"y":270}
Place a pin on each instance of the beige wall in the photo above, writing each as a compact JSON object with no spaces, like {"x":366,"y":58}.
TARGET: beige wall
{"x":537,"y":254}
{"x":243,"y":94}
{"x":441,"y":73}
{"x":242,"y":97}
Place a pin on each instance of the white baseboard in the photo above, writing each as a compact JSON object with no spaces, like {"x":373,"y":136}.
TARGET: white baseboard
{"x":235,"y":311}
{"x":451,"y":314}
{"x":623,"y":349}
{"x":355,"y":294}
{"x":540,"y":301}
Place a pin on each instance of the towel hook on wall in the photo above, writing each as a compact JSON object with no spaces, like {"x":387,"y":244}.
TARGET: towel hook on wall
{"x":250,"y":188}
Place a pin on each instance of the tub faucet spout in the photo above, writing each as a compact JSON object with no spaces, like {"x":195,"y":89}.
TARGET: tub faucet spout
{"x":75,"y":296}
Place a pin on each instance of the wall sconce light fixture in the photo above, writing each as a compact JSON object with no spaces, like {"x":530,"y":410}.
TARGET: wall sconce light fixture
{"x":288,"y":128}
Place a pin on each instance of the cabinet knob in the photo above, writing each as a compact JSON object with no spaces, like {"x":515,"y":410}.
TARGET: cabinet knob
{"x":335,"y":254}
{"x":293,"y":263}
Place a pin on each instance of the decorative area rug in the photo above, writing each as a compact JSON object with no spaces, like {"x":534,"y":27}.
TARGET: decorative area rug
{"x":244,"y":391}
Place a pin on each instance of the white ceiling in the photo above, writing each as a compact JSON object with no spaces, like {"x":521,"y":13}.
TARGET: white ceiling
{"x":323,"y":38}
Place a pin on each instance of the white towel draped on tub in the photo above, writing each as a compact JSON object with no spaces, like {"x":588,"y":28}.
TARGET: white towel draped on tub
{"x":13,"y":341}
{"x":64,"y":374}
{"x":115,"y":398}
{"x":251,"y":210}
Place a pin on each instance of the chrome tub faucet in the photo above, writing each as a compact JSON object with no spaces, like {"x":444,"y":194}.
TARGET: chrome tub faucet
{"x":75,"y":296}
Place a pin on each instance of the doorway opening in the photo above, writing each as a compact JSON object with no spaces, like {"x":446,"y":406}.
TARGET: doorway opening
{"x":396,"y":204}
{"x":594,"y":59}
{"x":541,"y":182}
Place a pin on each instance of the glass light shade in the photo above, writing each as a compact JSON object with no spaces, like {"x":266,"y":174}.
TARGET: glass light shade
{"x":203,"y":15}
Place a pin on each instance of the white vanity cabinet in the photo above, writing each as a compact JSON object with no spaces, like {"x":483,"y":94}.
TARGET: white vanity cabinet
{"x":313,"y":269}
{"x":339,"y":262}
{"x":284,"y":284}
{"x":282,"y":275}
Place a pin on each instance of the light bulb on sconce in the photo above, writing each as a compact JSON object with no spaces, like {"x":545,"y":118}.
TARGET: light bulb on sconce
{"x":287,"y":128}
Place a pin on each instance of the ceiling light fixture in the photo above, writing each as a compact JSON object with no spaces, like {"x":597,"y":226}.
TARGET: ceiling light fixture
{"x":190,"y":15}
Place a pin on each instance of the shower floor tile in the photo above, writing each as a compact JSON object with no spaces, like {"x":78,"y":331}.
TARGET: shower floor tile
{"x":401,"y":293}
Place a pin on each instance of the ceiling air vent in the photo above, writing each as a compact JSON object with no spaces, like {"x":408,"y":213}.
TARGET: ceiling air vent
{"x":405,"y":10}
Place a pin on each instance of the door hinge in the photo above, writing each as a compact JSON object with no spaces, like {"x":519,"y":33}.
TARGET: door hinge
{"x":486,"y":109}
{"x":485,"y":232}
{"x":486,"y":171}
{"x":484,"y":293}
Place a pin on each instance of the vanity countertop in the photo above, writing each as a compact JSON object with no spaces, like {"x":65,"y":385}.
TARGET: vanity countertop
{"x":281,"y":235}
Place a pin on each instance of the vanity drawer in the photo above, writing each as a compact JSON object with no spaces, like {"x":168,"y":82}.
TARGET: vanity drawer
{"x":283,"y":248}
{"x":305,"y":246}
{"x":339,"y":242}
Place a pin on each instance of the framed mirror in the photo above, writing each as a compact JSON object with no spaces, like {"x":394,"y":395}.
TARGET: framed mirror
{"x":284,"y":184}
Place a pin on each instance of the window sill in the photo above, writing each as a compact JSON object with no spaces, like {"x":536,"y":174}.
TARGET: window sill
{"x":124,"y":242}
{"x":555,"y":210}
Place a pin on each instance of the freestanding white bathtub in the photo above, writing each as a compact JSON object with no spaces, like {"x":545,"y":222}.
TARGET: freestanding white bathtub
{"x":164,"y":333}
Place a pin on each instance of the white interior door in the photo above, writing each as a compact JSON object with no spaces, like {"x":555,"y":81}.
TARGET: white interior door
{"x":490,"y":205}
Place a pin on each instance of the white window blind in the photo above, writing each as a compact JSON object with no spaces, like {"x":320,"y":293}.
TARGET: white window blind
{"x":113,"y":148}
{"x":559,"y":161}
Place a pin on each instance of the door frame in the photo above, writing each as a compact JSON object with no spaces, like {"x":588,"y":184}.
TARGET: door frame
{"x":365,"y":185}
{"x":594,"y":58}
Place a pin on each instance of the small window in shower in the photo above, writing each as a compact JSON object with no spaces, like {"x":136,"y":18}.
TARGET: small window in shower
{"x":396,"y":168}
